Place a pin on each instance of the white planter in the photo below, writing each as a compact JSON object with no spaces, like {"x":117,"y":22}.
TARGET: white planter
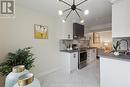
{"x":12,"y":77}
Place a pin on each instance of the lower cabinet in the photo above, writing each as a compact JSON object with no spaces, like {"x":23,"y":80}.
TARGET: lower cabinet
{"x":91,"y":55}
{"x":70,"y":61}
{"x":114,"y":73}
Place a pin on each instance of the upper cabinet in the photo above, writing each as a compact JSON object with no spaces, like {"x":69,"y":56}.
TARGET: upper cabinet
{"x":72,"y":31}
{"x":121,"y":18}
{"x":78,"y":31}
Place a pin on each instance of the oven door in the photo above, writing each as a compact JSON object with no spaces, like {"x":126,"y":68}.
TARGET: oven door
{"x":82,"y":59}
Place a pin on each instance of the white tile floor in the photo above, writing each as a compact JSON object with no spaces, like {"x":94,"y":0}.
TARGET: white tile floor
{"x":86,"y":77}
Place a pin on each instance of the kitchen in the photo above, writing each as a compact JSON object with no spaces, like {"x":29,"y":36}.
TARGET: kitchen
{"x":114,"y":67}
{"x":77,"y":52}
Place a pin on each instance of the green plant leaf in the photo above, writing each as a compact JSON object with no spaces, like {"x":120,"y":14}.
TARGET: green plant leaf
{"x":116,"y":46}
{"x":19,"y":57}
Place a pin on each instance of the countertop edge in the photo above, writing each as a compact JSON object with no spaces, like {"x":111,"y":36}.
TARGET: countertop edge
{"x":126,"y":57}
{"x":69,"y":51}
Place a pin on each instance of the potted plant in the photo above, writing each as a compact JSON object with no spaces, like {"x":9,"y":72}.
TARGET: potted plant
{"x":20,"y":57}
{"x":115,"y":48}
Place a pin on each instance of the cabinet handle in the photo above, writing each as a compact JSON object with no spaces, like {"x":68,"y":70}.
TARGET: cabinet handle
{"x":74,"y":55}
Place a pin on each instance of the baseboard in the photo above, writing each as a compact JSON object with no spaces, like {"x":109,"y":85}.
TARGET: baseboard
{"x":47,"y":72}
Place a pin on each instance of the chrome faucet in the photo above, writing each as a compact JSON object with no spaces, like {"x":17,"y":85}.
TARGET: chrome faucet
{"x":127,"y":44}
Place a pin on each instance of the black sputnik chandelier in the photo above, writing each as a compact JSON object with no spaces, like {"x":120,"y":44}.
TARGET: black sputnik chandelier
{"x":74,"y":8}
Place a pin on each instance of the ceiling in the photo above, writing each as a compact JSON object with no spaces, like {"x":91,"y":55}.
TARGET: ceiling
{"x":100,"y":10}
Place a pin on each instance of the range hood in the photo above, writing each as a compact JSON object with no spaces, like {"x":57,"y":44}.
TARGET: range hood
{"x":78,"y":31}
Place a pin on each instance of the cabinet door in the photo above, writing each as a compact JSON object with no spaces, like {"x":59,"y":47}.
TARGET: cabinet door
{"x":74,"y":61}
{"x":121,"y":19}
{"x":114,"y":73}
{"x":91,"y":55}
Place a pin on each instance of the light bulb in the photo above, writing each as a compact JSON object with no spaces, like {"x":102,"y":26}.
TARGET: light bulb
{"x":86,"y":12}
{"x":60,"y":12}
{"x":82,"y":21}
{"x":63,"y":21}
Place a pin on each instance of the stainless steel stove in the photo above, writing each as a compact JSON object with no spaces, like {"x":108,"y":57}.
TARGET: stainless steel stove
{"x":82,"y":61}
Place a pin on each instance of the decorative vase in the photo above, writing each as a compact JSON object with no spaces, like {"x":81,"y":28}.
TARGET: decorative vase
{"x":116,"y":53}
{"x":27,"y":80}
{"x":12,"y":77}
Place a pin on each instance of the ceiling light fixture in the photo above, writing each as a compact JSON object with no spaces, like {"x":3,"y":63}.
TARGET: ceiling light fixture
{"x":63,"y":21}
{"x":86,"y":12}
{"x":60,"y":12}
{"x":73,"y":7}
{"x":82,"y":21}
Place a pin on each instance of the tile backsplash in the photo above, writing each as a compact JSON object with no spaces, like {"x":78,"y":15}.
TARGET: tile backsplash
{"x":123,"y":45}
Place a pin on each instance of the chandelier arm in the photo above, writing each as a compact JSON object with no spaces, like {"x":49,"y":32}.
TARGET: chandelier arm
{"x":81,"y":2}
{"x":65,"y":3}
{"x":67,"y":10}
{"x":73,"y":2}
{"x":68,"y":15}
{"x":77,"y":13}
{"x":79,"y":9}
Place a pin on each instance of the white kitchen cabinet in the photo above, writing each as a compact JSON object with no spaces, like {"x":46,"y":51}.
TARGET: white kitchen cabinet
{"x":91,"y":55}
{"x":121,"y":18}
{"x":70,"y":61}
{"x":114,"y":73}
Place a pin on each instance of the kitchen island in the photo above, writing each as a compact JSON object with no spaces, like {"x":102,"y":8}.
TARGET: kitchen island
{"x":114,"y":70}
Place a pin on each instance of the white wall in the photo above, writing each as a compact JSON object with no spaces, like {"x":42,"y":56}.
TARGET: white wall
{"x":121,"y":18}
{"x":67,"y":29}
{"x":19,"y":33}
